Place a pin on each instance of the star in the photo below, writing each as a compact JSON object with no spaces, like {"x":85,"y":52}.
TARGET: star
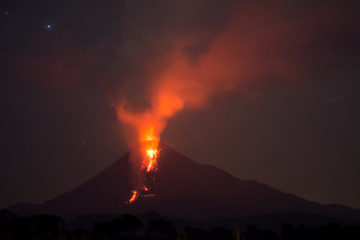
{"x":48,"y":26}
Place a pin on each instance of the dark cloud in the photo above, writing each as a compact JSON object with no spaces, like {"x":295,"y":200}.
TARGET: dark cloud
{"x":282,"y":41}
{"x":264,"y":42}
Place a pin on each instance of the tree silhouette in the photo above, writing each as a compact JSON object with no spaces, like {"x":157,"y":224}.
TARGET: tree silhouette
{"x":131,"y":224}
{"x":352,"y":232}
{"x":287,"y":232}
{"x":304,"y":233}
{"x":115,"y":229}
{"x":331,"y":231}
{"x":220,"y":233}
{"x":161,"y":229}
{"x":127,"y":227}
{"x":36,"y":227}
{"x":253,"y":233}
{"x":195,"y":233}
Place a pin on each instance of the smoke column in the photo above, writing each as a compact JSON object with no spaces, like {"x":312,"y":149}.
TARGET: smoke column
{"x":178,"y":55}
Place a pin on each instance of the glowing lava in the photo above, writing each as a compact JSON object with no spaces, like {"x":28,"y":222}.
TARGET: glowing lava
{"x":150,"y":153}
{"x":134,"y":196}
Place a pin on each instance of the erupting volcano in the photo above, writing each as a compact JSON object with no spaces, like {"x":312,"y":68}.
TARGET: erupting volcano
{"x":182,"y":188}
{"x":175,"y":85}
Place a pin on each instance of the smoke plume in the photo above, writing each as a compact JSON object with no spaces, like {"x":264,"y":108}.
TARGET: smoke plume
{"x":178,"y":55}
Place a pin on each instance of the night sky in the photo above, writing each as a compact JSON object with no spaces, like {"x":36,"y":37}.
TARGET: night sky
{"x":288,"y":117}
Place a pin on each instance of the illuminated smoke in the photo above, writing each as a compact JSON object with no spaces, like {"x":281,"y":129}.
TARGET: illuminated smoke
{"x":178,"y":55}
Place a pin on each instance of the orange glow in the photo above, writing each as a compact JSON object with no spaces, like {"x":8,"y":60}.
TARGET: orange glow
{"x":148,"y":195}
{"x":151,"y":154}
{"x":182,"y":83}
{"x":134,"y":196}
{"x":187,"y":69}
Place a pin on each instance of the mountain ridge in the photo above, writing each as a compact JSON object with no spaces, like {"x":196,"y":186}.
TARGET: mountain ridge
{"x":183,"y":189}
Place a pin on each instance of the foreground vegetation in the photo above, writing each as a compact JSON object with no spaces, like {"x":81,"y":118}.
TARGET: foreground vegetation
{"x":129,"y":227}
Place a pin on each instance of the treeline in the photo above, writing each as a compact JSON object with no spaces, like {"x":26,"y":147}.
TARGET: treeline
{"x":129,"y":227}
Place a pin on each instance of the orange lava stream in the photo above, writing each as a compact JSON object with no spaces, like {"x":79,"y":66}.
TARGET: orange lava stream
{"x":134,"y":196}
{"x":151,"y":155}
{"x":150,"y":151}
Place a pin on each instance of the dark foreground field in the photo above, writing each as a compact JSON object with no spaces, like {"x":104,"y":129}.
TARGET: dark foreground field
{"x":127,"y":226}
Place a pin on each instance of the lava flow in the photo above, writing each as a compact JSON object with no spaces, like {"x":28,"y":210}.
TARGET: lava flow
{"x":150,"y":153}
{"x":134,"y":196}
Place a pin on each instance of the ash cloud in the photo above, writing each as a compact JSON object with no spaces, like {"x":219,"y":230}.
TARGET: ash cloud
{"x":150,"y":32}
{"x":210,"y":47}
{"x":243,"y":44}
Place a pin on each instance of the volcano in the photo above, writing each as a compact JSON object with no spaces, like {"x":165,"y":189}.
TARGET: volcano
{"x":182,"y":188}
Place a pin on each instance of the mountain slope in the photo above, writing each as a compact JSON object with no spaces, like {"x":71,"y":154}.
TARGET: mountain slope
{"x":184,"y":189}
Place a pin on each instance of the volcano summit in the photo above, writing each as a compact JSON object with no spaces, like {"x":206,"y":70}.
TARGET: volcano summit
{"x":180,"y":188}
